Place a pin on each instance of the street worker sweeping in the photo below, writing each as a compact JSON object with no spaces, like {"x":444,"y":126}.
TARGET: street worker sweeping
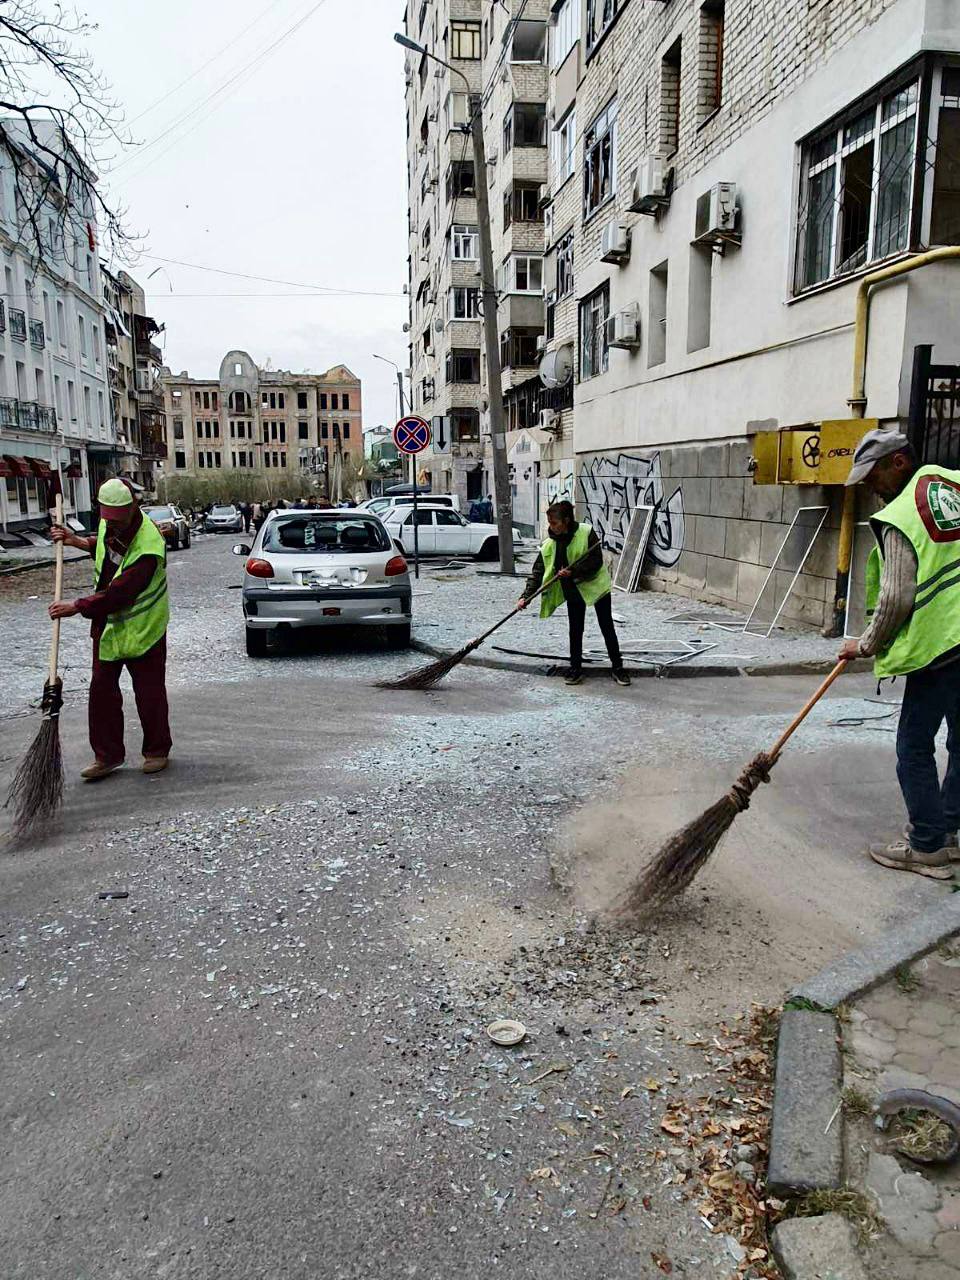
{"x":913,"y":603}
{"x":128,"y":612}
{"x":573,"y":556}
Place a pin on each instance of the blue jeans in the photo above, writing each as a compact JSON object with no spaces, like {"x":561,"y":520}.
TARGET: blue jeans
{"x":930,"y":697}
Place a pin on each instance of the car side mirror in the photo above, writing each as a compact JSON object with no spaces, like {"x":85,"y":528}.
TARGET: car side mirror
{"x":240,"y":549}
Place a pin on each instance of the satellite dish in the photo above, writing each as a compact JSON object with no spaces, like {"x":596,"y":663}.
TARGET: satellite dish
{"x":556,"y":367}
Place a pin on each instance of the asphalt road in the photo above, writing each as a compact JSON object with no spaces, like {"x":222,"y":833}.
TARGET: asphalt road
{"x":269,"y":1060}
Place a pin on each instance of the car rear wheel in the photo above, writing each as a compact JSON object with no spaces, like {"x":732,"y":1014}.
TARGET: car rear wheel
{"x":176,"y":541}
{"x":490,"y":550}
{"x":256,"y":643}
{"x":399,"y":637}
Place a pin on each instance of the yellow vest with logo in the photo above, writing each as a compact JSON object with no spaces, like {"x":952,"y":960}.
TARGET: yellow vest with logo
{"x":928,"y":513}
{"x":591,"y":590}
{"x":130,"y":632}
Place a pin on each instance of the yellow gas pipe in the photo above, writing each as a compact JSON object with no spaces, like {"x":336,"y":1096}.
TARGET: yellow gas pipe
{"x":858,"y":404}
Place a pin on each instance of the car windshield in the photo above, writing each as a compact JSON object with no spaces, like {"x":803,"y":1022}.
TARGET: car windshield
{"x":159,"y":513}
{"x":223,"y":511}
{"x":378,"y":504}
{"x":325,"y":534}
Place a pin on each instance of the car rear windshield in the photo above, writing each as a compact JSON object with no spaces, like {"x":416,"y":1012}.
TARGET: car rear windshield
{"x":325,"y":534}
{"x":159,"y":513}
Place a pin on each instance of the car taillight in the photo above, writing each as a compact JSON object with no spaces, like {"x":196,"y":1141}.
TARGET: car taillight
{"x":395,"y":566}
{"x":259,"y":568}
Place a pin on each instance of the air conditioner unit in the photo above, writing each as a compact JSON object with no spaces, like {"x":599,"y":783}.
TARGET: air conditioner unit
{"x":406,"y":326}
{"x":549,"y":419}
{"x":649,"y":185}
{"x":718,"y":217}
{"x":541,"y":343}
{"x":615,"y":242}
{"x":438,"y":324}
{"x":432,"y":115}
{"x":430,"y":299}
{"x":623,"y":328}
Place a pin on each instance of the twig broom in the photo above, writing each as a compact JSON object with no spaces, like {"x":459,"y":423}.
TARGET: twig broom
{"x":427,"y":676}
{"x":688,"y":850}
{"x":36,"y":792}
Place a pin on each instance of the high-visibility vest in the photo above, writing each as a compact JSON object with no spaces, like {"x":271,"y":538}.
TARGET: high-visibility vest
{"x":591,"y":590}
{"x":130,"y":632}
{"x":928,"y":513}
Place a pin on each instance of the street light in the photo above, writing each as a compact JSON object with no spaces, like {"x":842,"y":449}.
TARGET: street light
{"x":399,"y":379}
{"x":413,"y":467}
{"x":491,"y":334}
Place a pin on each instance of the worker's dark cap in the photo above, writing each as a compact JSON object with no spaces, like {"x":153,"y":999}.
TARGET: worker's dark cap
{"x":874,"y":446}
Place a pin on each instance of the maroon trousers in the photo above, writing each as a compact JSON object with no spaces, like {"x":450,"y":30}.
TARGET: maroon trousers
{"x":105,"y":707}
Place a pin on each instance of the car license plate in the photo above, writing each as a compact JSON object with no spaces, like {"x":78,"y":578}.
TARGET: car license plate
{"x":331,"y":613}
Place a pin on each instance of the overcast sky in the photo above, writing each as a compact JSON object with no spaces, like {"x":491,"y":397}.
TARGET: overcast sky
{"x":295,"y":171}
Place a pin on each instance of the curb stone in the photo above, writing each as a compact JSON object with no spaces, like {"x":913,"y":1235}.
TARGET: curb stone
{"x":817,"y":1249}
{"x":806,"y":1137}
{"x":673,"y":673}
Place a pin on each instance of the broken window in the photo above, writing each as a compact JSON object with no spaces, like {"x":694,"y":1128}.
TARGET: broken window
{"x":599,"y":160}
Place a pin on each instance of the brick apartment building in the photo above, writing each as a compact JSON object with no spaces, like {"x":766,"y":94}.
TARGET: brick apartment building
{"x":262,"y":421}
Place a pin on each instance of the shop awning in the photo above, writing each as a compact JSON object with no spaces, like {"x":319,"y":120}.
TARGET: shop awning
{"x":18,"y":466}
{"x":5,"y":469}
{"x":40,"y":468}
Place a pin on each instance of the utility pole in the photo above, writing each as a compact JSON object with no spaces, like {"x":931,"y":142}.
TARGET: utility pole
{"x":491,"y":333}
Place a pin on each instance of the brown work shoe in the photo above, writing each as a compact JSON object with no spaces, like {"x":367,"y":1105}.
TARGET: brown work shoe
{"x":99,"y":769}
{"x":901,"y":856}
{"x":154,"y":764}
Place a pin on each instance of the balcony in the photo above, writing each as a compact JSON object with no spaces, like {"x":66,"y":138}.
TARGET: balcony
{"x":27,"y":415}
{"x":145,"y":348}
{"x":18,"y":324}
{"x":36,"y":334}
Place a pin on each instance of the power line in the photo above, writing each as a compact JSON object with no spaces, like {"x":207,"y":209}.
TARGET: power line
{"x":262,"y":56}
{"x":293,"y":284}
{"x":341,"y":293}
{"x":219,"y":54}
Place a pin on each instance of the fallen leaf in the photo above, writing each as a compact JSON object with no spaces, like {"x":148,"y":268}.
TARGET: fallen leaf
{"x":651,"y":1084}
{"x":670,"y":1125}
{"x":545,"y":1172}
{"x":570,"y":1130}
{"x":627,"y":1092}
{"x":663,"y":1262}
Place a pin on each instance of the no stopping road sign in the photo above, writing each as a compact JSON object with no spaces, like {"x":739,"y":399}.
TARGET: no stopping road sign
{"x":412,"y":435}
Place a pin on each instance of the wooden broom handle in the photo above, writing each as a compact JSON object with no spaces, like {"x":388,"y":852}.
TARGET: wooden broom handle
{"x":539,"y":592}
{"x":57,"y":596}
{"x":807,"y":708}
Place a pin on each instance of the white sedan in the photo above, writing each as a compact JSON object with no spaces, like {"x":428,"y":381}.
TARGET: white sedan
{"x":442,"y":532}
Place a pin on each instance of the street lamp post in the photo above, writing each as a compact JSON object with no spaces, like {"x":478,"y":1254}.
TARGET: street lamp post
{"x":491,"y":335}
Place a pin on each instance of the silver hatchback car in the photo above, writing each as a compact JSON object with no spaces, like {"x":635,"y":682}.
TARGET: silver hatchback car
{"x":323,"y":568}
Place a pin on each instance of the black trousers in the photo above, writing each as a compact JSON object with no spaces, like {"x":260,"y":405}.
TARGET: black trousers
{"x":577,"y":616}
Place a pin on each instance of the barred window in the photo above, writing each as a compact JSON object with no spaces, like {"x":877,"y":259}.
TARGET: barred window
{"x":594,"y":352}
{"x":856,"y":191}
{"x":565,"y":265}
{"x":600,"y":160}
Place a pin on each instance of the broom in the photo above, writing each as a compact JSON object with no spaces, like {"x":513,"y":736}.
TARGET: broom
{"x":431,"y":674}
{"x":36,"y":792}
{"x":688,"y":850}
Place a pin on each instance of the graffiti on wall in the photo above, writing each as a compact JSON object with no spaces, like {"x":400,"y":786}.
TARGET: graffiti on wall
{"x":611,"y":488}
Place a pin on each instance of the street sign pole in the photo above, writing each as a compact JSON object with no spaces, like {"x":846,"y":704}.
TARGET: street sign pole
{"x":416,"y":525}
{"x":411,"y":435}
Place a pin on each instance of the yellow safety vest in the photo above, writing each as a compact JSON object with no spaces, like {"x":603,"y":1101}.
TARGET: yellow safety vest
{"x":130,"y":632}
{"x":591,"y":590}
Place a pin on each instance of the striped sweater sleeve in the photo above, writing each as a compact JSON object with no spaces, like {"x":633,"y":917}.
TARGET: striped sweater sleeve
{"x":898,"y":589}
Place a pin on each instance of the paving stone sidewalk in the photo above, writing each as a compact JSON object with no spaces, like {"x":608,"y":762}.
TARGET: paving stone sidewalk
{"x":906,"y":1035}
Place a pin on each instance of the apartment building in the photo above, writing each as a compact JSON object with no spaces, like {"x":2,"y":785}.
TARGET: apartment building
{"x":263,"y":421}
{"x":134,"y":365}
{"x":500,"y":50}
{"x":723,"y":175}
{"x":54,"y":397}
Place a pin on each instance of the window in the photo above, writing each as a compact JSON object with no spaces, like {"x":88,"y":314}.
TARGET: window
{"x":856,"y":189}
{"x":206,"y":399}
{"x":657,"y":327}
{"x":301,"y":399}
{"x":525,"y":125}
{"x":283,"y":432}
{"x":529,"y":40}
{"x":214,"y":399}
{"x":945,"y":221}
{"x":334,"y":401}
{"x":599,"y":160}
{"x":566,"y":31}
{"x":345,"y":401}
{"x":521,"y":203}
{"x":179,"y":459}
{"x":62,"y":327}
{"x":565,"y":265}
{"x":196,"y":399}
{"x":458,"y":109}
{"x":465,"y":41}
{"x":178,"y":428}
{"x":280,"y":400}
{"x":346,"y":431}
{"x":670,"y":99}
{"x":523,"y":273}
{"x":238,"y":370}
{"x":699,"y":299}
{"x":303,"y":431}
{"x":710,"y":69}
{"x":323,"y":400}
{"x":564,"y":141}
{"x":600,"y":16}
{"x":465,"y":244}
{"x":324,"y":430}
{"x":336,"y":430}
{"x":460,"y":180}
{"x":594,"y":353}
{"x":463,"y":365}
{"x":266,"y":458}
{"x":518,"y":348}
{"x":464,"y":304}
{"x":465,"y":425}
{"x":82,"y":330}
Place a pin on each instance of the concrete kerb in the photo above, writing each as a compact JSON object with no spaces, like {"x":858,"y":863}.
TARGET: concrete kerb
{"x":680,"y":671}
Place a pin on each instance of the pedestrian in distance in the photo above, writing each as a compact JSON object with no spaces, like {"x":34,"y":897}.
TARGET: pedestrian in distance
{"x":128,"y":614}
{"x":573,"y":556}
{"x":913,"y":607}
{"x":475,"y":512}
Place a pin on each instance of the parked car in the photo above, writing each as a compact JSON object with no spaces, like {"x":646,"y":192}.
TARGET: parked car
{"x":223,"y":519}
{"x":172,"y":523}
{"x":380,"y":506}
{"x":442,"y":532}
{"x":323,"y":568}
